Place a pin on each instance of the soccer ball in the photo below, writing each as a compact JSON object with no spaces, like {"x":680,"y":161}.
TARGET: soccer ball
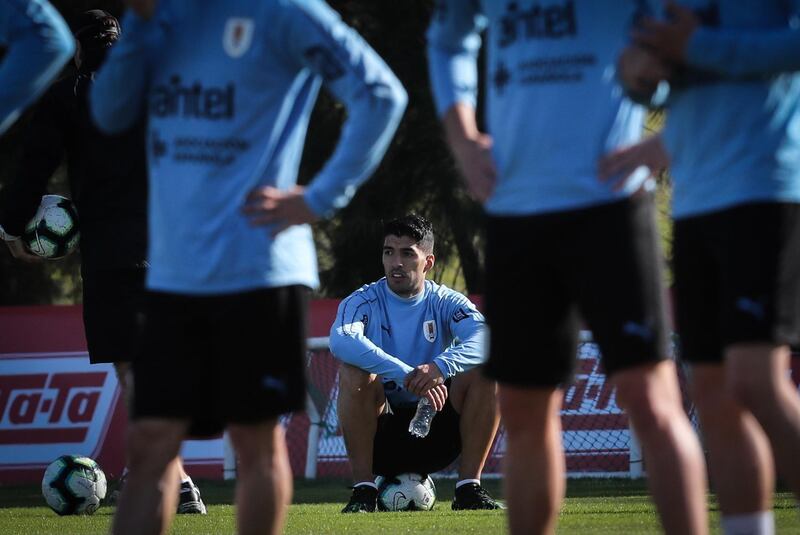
{"x":53,"y":231}
{"x":406,"y":492}
{"x":73,"y":485}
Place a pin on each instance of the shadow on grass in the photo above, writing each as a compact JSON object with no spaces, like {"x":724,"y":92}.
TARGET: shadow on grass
{"x":338,"y":491}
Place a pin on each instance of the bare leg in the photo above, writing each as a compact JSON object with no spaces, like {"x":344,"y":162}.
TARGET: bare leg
{"x":534,"y":462}
{"x":264,"y":484}
{"x":740,"y":459}
{"x":757,"y":376}
{"x":475,"y":398}
{"x":150,"y":496}
{"x":361,"y":401}
{"x":675,"y":466}
{"x":125,"y":380}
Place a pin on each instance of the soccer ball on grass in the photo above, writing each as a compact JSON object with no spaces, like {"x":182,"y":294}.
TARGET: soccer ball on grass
{"x":406,"y":492}
{"x":53,"y":231}
{"x":74,"y":485}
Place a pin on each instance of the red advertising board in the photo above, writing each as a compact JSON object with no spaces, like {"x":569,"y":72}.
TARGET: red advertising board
{"x":53,"y":402}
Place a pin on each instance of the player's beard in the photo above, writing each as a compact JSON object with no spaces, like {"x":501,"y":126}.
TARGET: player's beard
{"x":404,"y":286}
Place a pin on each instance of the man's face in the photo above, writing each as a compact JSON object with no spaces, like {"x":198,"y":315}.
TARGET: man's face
{"x":405,"y":265}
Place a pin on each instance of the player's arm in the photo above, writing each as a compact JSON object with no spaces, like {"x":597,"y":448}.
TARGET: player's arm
{"x":39,"y":44}
{"x":42,"y":152}
{"x":453,"y":44}
{"x":468,"y":328}
{"x":730,"y":52}
{"x":119,"y":94}
{"x":349,"y":343}
{"x":312,"y":36}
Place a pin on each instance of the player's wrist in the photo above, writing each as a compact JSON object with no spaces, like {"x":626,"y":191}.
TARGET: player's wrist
{"x":460,"y":126}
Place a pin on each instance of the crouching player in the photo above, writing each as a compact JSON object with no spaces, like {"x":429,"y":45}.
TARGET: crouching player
{"x":402,"y":338}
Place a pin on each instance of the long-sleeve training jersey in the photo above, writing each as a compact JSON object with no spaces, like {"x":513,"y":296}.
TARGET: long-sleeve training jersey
{"x":39,"y":44}
{"x":553,"y":105}
{"x":388,"y":335}
{"x":228,"y":88}
{"x":733,"y":126}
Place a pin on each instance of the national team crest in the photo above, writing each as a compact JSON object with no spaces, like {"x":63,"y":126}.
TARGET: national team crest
{"x":238,"y":36}
{"x":429,"y":330}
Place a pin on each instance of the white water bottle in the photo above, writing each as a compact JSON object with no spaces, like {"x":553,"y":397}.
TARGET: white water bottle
{"x":420,"y":424}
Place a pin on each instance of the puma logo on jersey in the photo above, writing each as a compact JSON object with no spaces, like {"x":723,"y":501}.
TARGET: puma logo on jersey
{"x":460,"y":315}
{"x":751,"y":307}
{"x":638,"y":330}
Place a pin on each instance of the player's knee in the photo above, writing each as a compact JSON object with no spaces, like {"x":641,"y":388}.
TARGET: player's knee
{"x":750,"y":391}
{"x":652,"y":402}
{"x":153,"y":445}
{"x":261,"y":444}
{"x":473,"y":385}
{"x":526,"y":412}
{"x":354,"y":381}
{"x":709,"y":397}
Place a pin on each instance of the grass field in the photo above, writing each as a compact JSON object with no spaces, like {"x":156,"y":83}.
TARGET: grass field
{"x":592,"y":507}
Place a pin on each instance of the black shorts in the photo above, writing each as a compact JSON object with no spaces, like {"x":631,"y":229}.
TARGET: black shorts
{"x":213,"y":360}
{"x":112,"y":304}
{"x":396,"y":451}
{"x":545,"y":273}
{"x":737,"y":279}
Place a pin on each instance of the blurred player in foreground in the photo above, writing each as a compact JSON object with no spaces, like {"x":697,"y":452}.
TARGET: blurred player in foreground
{"x":231,"y":255}
{"x":732,"y":135}
{"x":38,"y":44}
{"x":561,"y":241}
{"x":401,"y":338}
{"x":108,"y":183}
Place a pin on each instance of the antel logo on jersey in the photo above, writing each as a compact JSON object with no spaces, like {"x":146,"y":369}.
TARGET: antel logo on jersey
{"x":553,"y":21}
{"x":193,"y":101}
{"x":46,"y":402}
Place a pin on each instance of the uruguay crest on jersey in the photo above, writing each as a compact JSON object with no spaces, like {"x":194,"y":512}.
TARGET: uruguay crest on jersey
{"x":429,"y":330}
{"x":238,"y":36}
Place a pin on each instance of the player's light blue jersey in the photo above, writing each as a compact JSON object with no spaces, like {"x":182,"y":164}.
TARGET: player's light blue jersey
{"x":39,"y":43}
{"x":733,"y":130}
{"x":553,"y":104}
{"x":229,"y":87}
{"x":380,"y":332}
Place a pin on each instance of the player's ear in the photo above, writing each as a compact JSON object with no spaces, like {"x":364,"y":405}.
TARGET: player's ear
{"x":429,"y":261}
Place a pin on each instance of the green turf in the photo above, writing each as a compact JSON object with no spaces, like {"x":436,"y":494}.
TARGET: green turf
{"x":592,"y":507}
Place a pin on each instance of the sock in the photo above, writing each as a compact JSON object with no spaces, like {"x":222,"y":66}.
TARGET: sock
{"x":186,"y":479}
{"x":467,"y":482}
{"x":366,"y":484}
{"x":761,"y":523}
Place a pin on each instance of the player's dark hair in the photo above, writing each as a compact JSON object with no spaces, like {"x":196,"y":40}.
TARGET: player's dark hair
{"x":96,"y":31}
{"x":414,"y":226}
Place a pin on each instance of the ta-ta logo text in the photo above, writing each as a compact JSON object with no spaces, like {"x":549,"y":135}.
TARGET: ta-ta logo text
{"x":193,"y":101}
{"x":48,"y":408}
{"x":555,"y":20}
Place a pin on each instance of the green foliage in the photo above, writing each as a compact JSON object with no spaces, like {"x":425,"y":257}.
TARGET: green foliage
{"x":416,"y":175}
